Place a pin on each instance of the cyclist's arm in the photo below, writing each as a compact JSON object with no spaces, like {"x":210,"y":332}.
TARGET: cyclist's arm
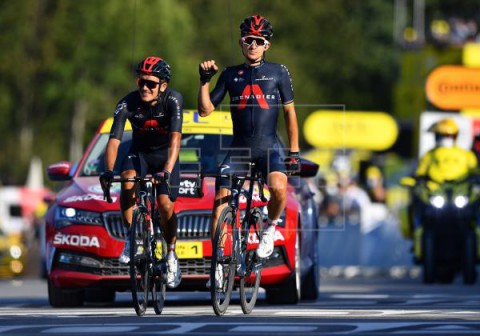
{"x":472,"y":162}
{"x":111,"y":153}
{"x":208,"y":101}
{"x":173,"y":150}
{"x":116,"y":133}
{"x":175,"y":105}
{"x":424,"y":164}
{"x":285,"y":89}
{"x":291,"y":123}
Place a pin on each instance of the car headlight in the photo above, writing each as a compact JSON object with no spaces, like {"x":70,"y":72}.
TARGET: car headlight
{"x":68,"y":216}
{"x":461,"y":201}
{"x":15,"y":251}
{"x":437,"y":201}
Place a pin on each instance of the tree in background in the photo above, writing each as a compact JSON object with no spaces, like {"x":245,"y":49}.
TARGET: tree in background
{"x":65,"y":63}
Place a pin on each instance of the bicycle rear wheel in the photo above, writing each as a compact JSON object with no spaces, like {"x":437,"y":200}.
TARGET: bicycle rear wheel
{"x":159,"y":278}
{"x":221,"y":285}
{"x":139,"y":273}
{"x":250,"y":282}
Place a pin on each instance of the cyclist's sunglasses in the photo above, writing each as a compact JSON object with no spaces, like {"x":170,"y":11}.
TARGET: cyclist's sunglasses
{"x":248,"y":40}
{"x":149,"y":83}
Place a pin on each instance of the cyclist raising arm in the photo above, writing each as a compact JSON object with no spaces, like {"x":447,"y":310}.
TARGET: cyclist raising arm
{"x":255,"y":89}
{"x":155,"y":112}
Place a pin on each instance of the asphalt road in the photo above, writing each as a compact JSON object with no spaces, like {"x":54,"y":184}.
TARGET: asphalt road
{"x":359,"y":305}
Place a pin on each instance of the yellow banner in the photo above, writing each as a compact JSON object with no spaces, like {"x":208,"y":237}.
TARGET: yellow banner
{"x":350,"y":129}
{"x":219,"y":122}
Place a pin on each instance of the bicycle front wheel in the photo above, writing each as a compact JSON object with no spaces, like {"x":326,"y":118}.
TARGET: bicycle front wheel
{"x":159,"y":279}
{"x":222,"y":268}
{"x":139,"y":249}
{"x":250,"y":282}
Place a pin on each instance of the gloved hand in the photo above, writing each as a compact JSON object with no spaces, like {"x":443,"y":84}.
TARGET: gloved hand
{"x":206,"y":75}
{"x":106,"y":179}
{"x":292,"y":162}
{"x":163,"y":176}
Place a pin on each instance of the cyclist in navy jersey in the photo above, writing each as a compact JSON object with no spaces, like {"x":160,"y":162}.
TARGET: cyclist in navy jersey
{"x":256,"y":88}
{"x":155,"y":112}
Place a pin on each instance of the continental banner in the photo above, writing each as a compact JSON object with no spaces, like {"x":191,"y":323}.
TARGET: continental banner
{"x":452,"y":87}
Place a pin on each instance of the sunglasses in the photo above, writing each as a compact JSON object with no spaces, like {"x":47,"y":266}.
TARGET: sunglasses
{"x":150,"y":84}
{"x":258,"y":41}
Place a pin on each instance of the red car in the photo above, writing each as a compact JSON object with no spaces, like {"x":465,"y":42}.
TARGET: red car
{"x":85,"y":235}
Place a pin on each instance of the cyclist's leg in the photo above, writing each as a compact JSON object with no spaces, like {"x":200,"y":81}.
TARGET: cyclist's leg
{"x":277,"y":185}
{"x":166,"y":198}
{"x":236,"y":161}
{"x":166,"y":202}
{"x":132,"y":165}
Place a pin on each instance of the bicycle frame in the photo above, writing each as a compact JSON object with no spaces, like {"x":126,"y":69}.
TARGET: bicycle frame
{"x":151,"y":265}
{"x":238,"y":262}
{"x":243,"y":225}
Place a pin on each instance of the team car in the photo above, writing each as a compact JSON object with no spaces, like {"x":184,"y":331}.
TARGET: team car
{"x":85,"y":234}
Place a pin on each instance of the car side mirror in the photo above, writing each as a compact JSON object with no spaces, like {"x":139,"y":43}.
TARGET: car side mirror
{"x":60,"y":171}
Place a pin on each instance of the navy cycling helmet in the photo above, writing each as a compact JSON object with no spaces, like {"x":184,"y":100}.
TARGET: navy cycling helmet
{"x":155,"y":66}
{"x":257,"y":26}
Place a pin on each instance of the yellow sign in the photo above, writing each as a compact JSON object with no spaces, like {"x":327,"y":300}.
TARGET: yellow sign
{"x":218,"y":122}
{"x":471,"y":54}
{"x":452,"y":87}
{"x":350,"y":129}
{"x":189,"y":250}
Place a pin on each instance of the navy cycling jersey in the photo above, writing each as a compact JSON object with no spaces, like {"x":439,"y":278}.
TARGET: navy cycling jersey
{"x":255,"y":95}
{"x":151,"y":125}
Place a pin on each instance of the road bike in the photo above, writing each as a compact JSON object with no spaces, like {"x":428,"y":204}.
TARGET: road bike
{"x":237,"y":238}
{"x":148,"y":249}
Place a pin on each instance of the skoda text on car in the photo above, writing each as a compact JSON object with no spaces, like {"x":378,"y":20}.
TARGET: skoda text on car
{"x":85,"y":235}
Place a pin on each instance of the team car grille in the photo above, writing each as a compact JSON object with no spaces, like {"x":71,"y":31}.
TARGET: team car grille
{"x":189,"y":225}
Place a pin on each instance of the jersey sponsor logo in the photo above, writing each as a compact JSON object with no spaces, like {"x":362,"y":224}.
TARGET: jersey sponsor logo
{"x":153,"y":125}
{"x":75,"y":240}
{"x":253,"y":91}
{"x":238,"y":79}
{"x":122,"y":105}
{"x":263,"y":78}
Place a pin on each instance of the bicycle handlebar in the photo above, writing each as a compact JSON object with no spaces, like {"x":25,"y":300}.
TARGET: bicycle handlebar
{"x":158,"y":177}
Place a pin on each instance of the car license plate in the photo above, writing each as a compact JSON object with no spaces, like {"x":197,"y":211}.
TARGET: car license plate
{"x":189,"y":250}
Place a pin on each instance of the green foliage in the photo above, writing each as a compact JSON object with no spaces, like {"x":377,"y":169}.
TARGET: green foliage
{"x":65,"y":63}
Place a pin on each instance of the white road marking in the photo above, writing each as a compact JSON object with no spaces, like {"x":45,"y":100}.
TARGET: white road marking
{"x":85,"y":330}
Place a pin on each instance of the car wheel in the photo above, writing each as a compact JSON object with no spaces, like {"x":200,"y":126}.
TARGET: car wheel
{"x":470,"y":258}
{"x":311,"y":283}
{"x":429,"y":257}
{"x":59,"y":297}
{"x":100,"y":295}
{"x":290,"y":291}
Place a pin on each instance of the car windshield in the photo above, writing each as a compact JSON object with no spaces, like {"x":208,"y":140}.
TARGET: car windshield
{"x":198,"y":151}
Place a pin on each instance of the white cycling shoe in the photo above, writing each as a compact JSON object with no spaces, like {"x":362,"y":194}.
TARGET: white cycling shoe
{"x":265,"y":248}
{"x":125,"y":256}
{"x":174,"y":275}
{"x":218,"y":278}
